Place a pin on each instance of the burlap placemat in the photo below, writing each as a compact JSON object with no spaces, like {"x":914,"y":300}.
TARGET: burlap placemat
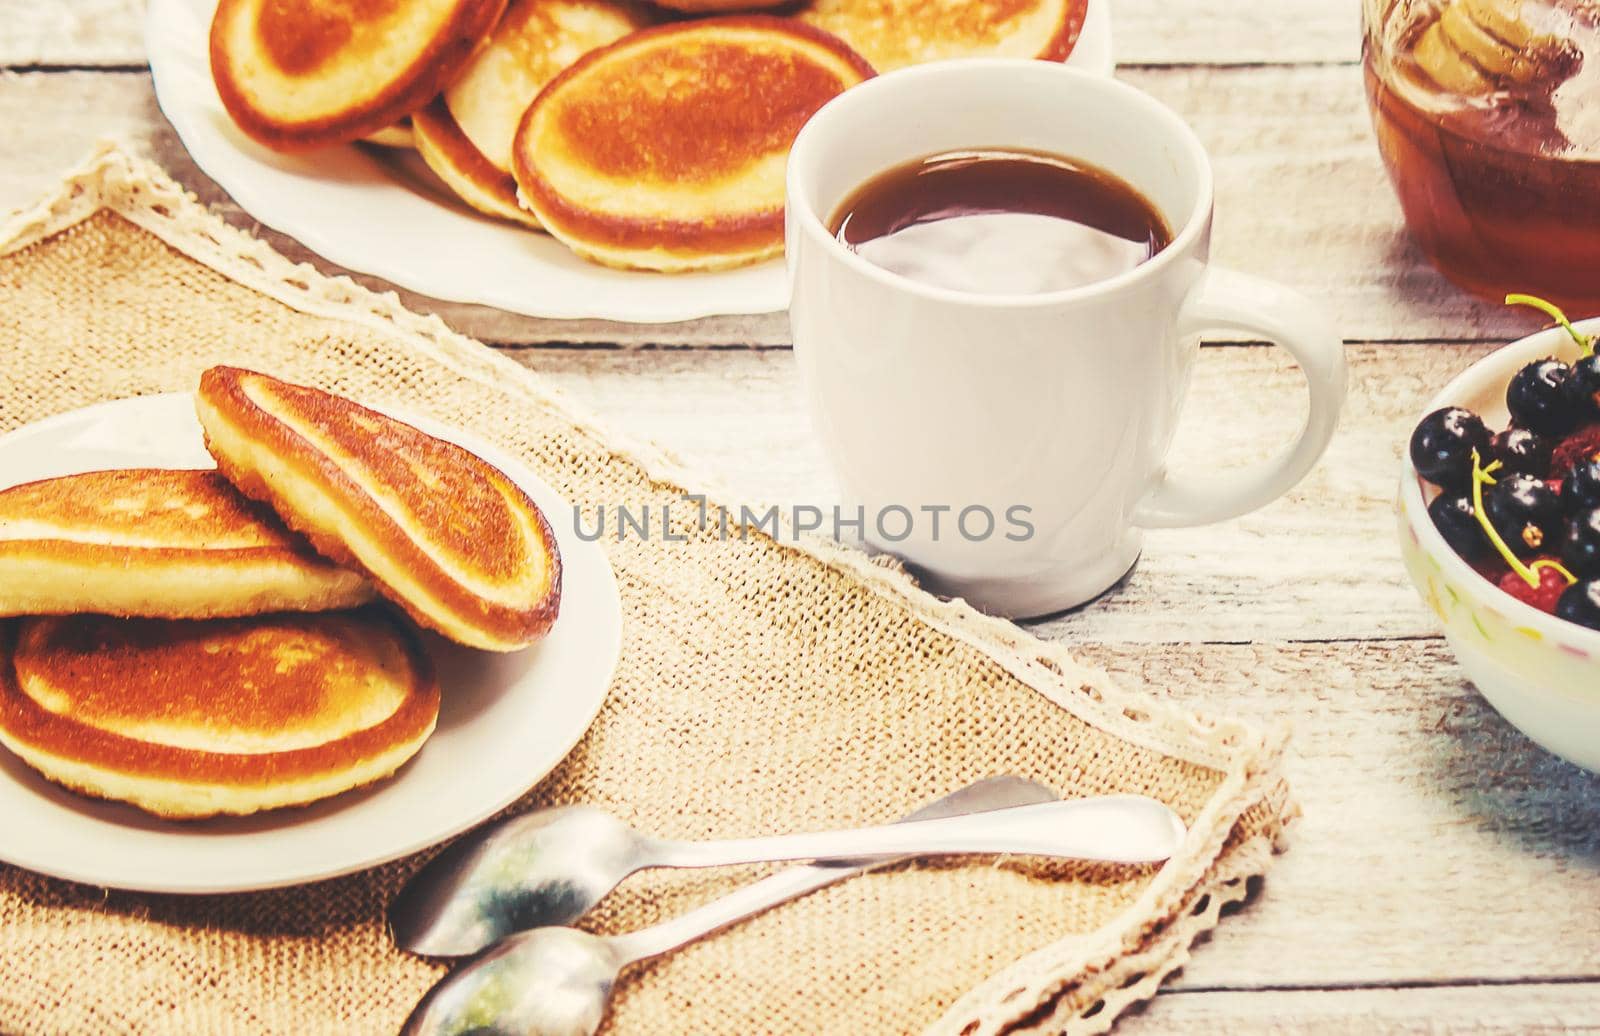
{"x":764,"y":686}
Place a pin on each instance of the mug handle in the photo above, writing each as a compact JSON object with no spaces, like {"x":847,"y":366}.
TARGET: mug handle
{"x":1224,"y":300}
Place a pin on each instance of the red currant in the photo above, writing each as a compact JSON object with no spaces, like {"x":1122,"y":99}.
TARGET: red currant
{"x":1544,"y":597}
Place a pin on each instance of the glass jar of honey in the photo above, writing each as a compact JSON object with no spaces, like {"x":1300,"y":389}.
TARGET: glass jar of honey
{"x":1487,"y":113}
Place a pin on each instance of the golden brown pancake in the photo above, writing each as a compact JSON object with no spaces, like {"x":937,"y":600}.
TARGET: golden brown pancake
{"x":462,"y":167}
{"x":297,"y":74}
{"x":894,"y":33}
{"x":156,"y":542}
{"x":465,"y":135}
{"x":442,"y":533}
{"x":398,"y":135}
{"x":666,"y":149}
{"x":196,"y":719}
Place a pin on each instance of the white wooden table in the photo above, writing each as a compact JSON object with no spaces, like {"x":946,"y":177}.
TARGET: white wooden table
{"x":1446,"y":874}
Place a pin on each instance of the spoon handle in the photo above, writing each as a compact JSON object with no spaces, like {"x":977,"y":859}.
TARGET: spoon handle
{"x":736,"y":906}
{"x":1110,"y":828}
{"x":990,"y":794}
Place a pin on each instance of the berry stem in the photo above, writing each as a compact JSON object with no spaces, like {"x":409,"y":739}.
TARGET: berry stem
{"x":1553,"y":311}
{"x":1483,"y":476}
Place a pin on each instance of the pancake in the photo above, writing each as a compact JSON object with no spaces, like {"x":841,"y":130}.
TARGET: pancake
{"x":895,"y":33}
{"x":298,"y":74}
{"x":226,"y":716}
{"x":465,"y":134}
{"x":462,"y":167}
{"x":160,"y":543}
{"x":666,"y":149}
{"x":444,"y":534}
{"x":396,"y":135}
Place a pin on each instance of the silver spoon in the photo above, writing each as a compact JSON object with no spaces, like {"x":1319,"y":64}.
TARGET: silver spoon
{"x":551,"y":866}
{"x":559,"y":980}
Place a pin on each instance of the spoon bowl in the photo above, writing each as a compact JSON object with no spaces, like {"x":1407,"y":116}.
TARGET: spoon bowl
{"x":546,"y":982}
{"x":544,"y":868}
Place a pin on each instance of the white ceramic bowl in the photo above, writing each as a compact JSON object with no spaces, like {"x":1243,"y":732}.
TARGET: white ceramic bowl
{"x":1541,"y":673}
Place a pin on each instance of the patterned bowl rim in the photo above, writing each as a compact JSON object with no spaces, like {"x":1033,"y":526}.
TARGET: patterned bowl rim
{"x":1488,"y":377}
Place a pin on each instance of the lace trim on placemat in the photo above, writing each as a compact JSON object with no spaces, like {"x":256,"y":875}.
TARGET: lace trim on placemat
{"x":1097,"y":975}
{"x":144,"y":195}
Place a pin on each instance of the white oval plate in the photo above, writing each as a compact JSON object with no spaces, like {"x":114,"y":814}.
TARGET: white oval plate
{"x":387,"y":216}
{"x":504,"y":722}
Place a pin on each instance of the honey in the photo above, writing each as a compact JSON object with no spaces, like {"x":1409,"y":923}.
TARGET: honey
{"x":1487,"y":114}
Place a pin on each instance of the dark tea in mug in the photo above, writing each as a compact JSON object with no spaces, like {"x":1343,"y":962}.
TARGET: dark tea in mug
{"x":1000,"y":222}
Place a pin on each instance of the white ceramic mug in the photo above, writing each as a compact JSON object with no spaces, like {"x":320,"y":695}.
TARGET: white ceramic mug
{"x":1051,"y":412}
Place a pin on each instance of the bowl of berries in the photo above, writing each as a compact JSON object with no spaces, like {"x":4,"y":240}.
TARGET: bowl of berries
{"x":1499,"y":512}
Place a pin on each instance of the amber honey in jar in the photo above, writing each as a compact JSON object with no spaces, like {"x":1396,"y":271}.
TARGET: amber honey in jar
{"x":1487,"y":113}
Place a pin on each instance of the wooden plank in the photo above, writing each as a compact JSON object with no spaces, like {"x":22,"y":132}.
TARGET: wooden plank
{"x":1437,"y":843}
{"x":110,"y":32}
{"x":1302,"y":198}
{"x":1226,"y":32}
{"x":1321,"y":563}
{"x":1521,"y":1009}
{"x":72,"y":33}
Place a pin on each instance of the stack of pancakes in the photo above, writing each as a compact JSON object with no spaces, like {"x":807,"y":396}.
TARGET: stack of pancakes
{"x":226,"y":641}
{"x":642,"y":137}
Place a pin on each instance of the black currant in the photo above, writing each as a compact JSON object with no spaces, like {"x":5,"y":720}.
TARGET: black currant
{"x":1442,"y":445}
{"x":1583,"y":387}
{"x":1526,"y":513}
{"x":1518,"y":449}
{"x":1580,"y":490}
{"x":1580,"y":603}
{"x":1458,"y":523}
{"x":1580,"y":545}
{"x":1537,"y":400}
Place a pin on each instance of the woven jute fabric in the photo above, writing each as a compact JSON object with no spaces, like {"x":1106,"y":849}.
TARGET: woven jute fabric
{"x":765,"y":685}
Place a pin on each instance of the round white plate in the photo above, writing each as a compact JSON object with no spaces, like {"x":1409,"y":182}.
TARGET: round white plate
{"x":505,"y":720}
{"x":385,"y":215}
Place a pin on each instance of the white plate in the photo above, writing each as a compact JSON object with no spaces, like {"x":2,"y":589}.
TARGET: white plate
{"x":386,"y":216}
{"x":505,"y":720}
